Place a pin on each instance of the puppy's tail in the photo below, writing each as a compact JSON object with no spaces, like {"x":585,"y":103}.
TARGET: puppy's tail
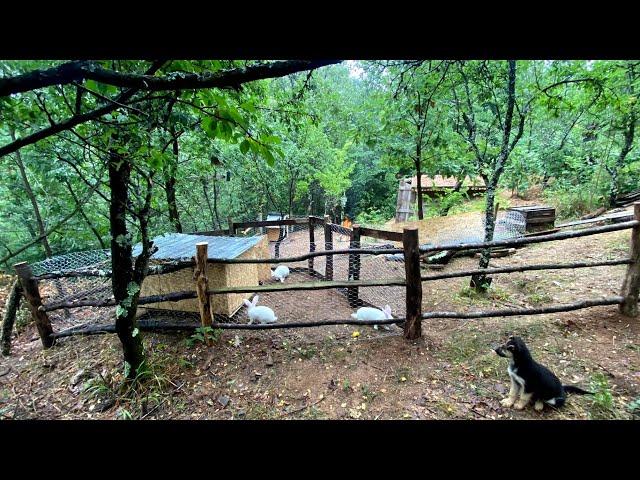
{"x":578,"y":390}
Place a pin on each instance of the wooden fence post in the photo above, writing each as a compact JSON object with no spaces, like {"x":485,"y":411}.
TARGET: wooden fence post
{"x":354,"y":266}
{"x":328,"y":245}
{"x":202,"y":284}
{"x":32,"y":294}
{"x":631,"y":283}
{"x":232,"y":229}
{"x":312,"y":243}
{"x":413,"y":324}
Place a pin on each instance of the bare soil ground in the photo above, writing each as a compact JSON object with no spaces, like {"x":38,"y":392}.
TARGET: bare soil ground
{"x":348,"y":373}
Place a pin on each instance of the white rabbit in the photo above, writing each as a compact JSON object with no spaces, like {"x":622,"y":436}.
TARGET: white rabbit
{"x":280,"y":273}
{"x":368,"y":313}
{"x":260,"y":314}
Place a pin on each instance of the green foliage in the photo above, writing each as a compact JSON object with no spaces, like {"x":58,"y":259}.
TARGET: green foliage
{"x":334,"y":143}
{"x":602,"y":402}
{"x":202,"y":333}
{"x":372,"y":218}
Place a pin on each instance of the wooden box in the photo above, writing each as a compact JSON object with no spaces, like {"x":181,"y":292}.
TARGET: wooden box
{"x":537,"y":217}
{"x":219,"y":275}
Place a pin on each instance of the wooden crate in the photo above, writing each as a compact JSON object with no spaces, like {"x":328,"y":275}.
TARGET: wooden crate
{"x":537,"y":217}
{"x":219,"y":275}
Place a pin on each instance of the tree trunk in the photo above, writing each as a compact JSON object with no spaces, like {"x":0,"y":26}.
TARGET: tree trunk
{"x":481,"y":282}
{"x":629,"y":135}
{"x":418,"y":165}
{"x":170,"y":186}
{"x":34,"y":201}
{"x":122,"y":265}
{"x":13,"y":303}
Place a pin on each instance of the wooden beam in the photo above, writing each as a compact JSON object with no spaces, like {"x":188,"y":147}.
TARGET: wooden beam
{"x":328,"y":245}
{"x":527,"y":311}
{"x":528,"y":240}
{"x":32,"y":294}
{"x":413,"y":324}
{"x":524,"y":268}
{"x":156,"y":325}
{"x":312,"y":242}
{"x":354,"y":266}
{"x":202,"y":284}
{"x":300,"y":258}
{"x":285,"y":287}
{"x":167,"y":297}
{"x":381,"y":234}
{"x":631,"y":283}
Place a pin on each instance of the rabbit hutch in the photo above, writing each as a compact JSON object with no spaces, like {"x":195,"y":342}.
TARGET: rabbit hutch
{"x":177,"y":246}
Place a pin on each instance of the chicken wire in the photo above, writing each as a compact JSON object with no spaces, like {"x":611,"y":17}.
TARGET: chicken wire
{"x":509,"y":225}
{"x":289,"y":306}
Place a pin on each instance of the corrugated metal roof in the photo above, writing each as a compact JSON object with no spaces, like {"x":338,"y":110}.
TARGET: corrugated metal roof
{"x":182,"y":246}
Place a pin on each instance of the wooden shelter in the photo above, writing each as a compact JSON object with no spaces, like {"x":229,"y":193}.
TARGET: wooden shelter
{"x":177,"y":246}
{"x":438,"y":184}
{"x":431,"y":187}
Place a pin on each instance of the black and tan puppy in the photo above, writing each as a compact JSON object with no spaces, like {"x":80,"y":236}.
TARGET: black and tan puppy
{"x":531,"y":381}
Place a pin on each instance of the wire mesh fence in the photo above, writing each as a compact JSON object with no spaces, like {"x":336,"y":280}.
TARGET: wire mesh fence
{"x":337,"y":303}
{"x":508,"y":224}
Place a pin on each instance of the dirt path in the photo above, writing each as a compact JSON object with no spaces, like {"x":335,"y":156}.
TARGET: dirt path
{"x":330,"y":373}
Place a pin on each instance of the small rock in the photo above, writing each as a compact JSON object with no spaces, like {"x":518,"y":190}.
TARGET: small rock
{"x":240,"y":413}
{"x":269,"y":361}
{"x":223,"y":400}
{"x":78,"y":376}
{"x":106,"y":404}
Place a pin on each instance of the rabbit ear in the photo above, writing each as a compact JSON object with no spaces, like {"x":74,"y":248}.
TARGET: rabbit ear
{"x":254,"y":302}
{"x":247,"y":303}
{"x":387,"y":310}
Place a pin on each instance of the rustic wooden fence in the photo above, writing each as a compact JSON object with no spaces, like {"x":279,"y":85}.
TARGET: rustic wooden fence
{"x":412,"y":281}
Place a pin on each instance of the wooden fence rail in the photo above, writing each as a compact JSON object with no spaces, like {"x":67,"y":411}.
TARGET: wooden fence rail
{"x":534,"y":239}
{"x":628,"y":300}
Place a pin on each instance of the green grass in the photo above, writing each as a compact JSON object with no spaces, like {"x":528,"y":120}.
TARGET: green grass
{"x":494,"y":293}
{"x":601,"y":407}
{"x":539,"y":298}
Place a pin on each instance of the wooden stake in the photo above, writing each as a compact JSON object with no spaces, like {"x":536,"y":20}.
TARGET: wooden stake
{"x":202,"y":284}
{"x":413,"y":324}
{"x":328,"y":242}
{"x":232,"y":228}
{"x":312,"y":244}
{"x":32,"y":294}
{"x":631,"y":284}
{"x":354,"y":265}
